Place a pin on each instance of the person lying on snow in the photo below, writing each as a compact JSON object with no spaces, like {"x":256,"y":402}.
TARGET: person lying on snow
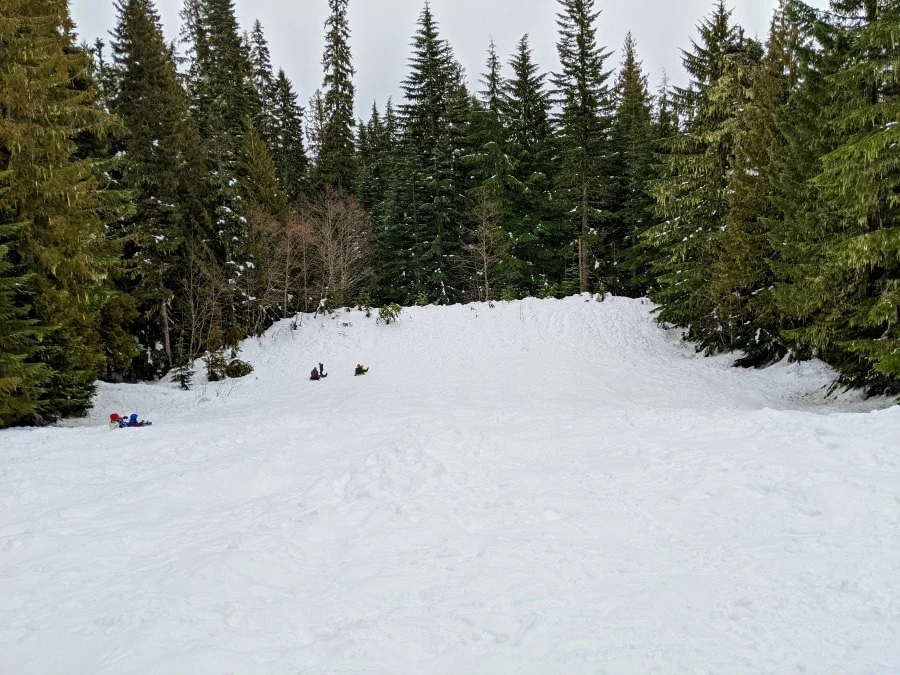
{"x":361,"y":369}
{"x":318,"y":374}
{"x":117,"y":422}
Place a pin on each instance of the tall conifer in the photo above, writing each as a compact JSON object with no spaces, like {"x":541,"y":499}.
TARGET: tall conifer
{"x":336,"y":161}
{"x":584,"y":189}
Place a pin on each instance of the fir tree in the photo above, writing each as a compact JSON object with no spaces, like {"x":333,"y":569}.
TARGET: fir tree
{"x":422,"y":234}
{"x":536,"y":260}
{"x":49,"y":202}
{"x":742,"y":278}
{"x":220,"y":82}
{"x":844,"y":288}
{"x":287,"y":141}
{"x":691,"y":192}
{"x":162,"y":160}
{"x":584,"y":121}
{"x":264,"y":83}
{"x":21,"y":376}
{"x":492,"y":170}
{"x":335,"y":162}
{"x":633,"y":144}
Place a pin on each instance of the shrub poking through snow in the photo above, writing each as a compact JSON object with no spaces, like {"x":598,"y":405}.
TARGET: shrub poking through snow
{"x":238,"y":368}
{"x":183,"y":373}
{"x":389,"y":313}
{"x":216,"y":365}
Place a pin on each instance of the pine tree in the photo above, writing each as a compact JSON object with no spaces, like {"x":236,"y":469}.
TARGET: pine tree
{"x":691,"y":192}
{"x":584,"y":121}
{"x":264,"y":83}
{"x":287,"y":142}
{"x":49,"y":203}
{"x":161,"y":162}
{"x":537,"y":258}
{"x":21,"y":376}
{"x":421,"y":236}
{"x":493,"y":172}
{"x":633,"y":144}
{"x":742,"y":278}
{"x":267,"y":208}
{"x":336,"y":162}
{"x":640,"y":257}
{"x":220,"y":82}
{"x":839,"y":275}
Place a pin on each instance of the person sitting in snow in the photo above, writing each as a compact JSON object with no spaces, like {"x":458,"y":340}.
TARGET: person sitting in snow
{"x":133,"y":421}
{"x":318,"y":374}
{"x":361,"y":369}
{"x":115,"y":422}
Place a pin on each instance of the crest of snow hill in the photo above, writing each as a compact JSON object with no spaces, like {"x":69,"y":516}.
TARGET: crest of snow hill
{"x":151,"y":214}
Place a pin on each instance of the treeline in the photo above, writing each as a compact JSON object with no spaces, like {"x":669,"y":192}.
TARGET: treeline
{"x":161,"y":201}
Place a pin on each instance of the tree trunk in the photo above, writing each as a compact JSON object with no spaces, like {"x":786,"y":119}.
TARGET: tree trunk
{"x":582,"y":262}
{"x":167,"y":338}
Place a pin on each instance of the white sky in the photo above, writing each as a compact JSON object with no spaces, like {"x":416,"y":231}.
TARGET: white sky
{"x":382,"y":29}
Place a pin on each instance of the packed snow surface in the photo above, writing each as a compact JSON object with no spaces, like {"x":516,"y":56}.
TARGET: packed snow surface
{"x":555,"y":486}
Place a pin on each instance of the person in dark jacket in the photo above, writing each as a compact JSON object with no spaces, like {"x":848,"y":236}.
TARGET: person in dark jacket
{"x":318,"y":374}
{"x":361,"y":369}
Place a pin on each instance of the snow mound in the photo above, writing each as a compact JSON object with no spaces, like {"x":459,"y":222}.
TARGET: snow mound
{"x":543,"y":486}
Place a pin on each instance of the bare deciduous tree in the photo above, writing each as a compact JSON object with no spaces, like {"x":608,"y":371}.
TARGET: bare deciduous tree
{"x":343,"y":244}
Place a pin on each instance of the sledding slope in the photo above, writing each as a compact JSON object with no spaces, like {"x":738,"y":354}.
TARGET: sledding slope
{"x":535,"y":487}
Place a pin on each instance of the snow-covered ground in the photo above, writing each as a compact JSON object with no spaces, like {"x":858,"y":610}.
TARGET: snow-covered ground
{"x":553,"y":486}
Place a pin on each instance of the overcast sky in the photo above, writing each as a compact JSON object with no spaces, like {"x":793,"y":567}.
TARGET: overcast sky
{"x":382,"y":29}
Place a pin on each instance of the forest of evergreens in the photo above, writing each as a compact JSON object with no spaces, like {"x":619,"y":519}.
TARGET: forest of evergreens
{"x":162,"y":202}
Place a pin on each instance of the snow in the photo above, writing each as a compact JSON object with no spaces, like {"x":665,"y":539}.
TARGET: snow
{"x":542,"y":486}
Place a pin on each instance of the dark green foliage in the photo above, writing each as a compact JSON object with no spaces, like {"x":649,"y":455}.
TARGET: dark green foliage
{"x":264,"y":84}
{"x":537,"y":253}
{"x":633,"y":139}
{"x":237,"y":368}
{"x":691,"y":192}
{"x":336,"y":161}
{"x":50,"y":204}
{"x":492,"y":170}
{"x":388,"y":313}
{"x":839,"y":275}
{"x":584,"y":192}
{"x":419,"y":238}
{"x":21,"y":376}
{"x":224,"y":98}
{"x":163,"y":168}
{"x":286,"y":143}
{"x":742,"y":278}
{"x":183,"y":373}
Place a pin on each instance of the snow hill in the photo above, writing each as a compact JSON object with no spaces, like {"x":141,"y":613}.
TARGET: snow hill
{"x":554,"y":486}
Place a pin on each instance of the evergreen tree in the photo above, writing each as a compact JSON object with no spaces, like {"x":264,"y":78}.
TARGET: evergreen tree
{"x":742,"y":278}
{"x":633,"y":144}
{"x":21,"y":376}
{"x":220,"y":82}
{"x":267,"y":208}
{"x":537,"y":257}
{"x":49,"y":205}
{"x":691,"y":193}
{"x":584,"y":190}
{"x":421,"y":236}
{"x":377,"y":144}
{"x":839,"y":277}
{"x":162,"y":160}
{"x":287,"y":140}
{"x":335,"y":162}
{"x":264,"y":83}
{"x":492,"y":170}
